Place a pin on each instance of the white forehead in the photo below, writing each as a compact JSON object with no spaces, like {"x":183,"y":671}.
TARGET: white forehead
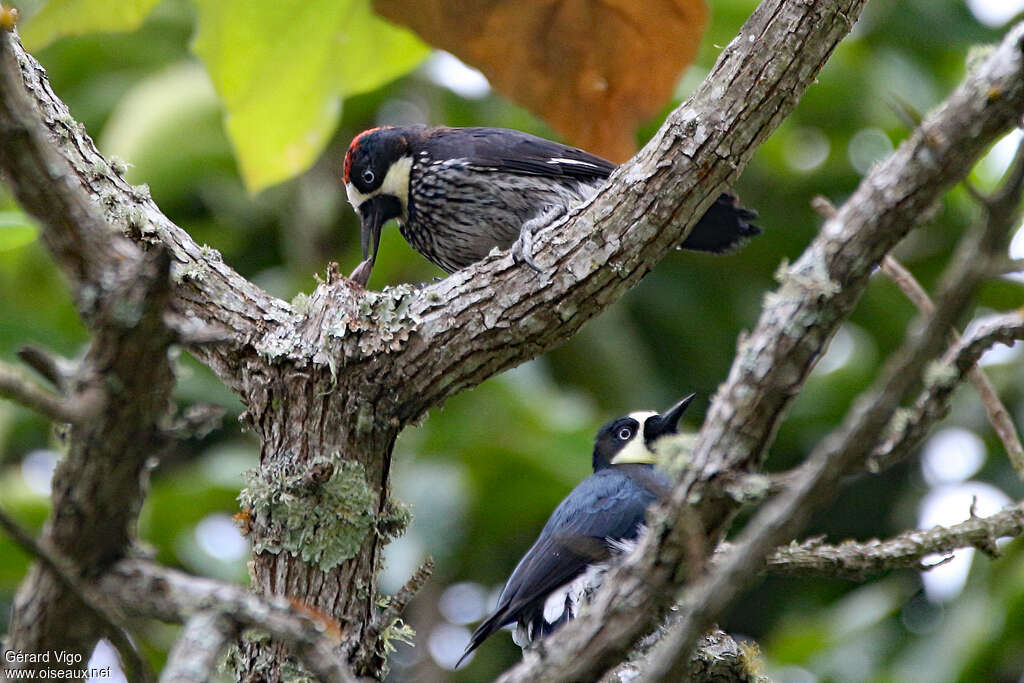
{"x":641,"y":416}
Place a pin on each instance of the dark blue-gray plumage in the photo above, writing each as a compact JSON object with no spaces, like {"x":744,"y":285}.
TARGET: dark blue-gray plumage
{"x":604,"y":513}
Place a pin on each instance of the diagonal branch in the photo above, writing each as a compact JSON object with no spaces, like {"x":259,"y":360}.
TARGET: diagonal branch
{"x":107,"y":615}
{"x":149,"y":590}
{"x":908,"y":429}
{"x":817,"y":292}
{"x":17,"y":386}
{"x":998,"y":415}
{"x":858,"y":561}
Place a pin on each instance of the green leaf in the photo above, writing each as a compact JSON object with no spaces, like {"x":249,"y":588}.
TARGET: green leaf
{"x":16,"y":230}
{"x":60,"y":18}
{"x":283,"y":69}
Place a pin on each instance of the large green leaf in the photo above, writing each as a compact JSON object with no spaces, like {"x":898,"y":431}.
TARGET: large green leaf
{"x":283,"y":69}
{"x":77,"y":17}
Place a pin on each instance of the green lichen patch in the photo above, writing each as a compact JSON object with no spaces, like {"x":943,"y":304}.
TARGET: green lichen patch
{"x":674,"y":453}
{"x":382,"y":321}
{"x":397,"y":631}
{"x":395,"y":520}
{"x":324,"y":524}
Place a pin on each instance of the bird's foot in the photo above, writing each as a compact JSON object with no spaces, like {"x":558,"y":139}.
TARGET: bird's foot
{"x":522,"y":248}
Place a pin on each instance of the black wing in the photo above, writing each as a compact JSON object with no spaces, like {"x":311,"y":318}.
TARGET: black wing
{"x":725,"y":227}
{"x":607,"y":504}
{"x":514,"y":151}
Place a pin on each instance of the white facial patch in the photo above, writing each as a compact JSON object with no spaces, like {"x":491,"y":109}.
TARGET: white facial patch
{"x":636,"y":451}
{"x":396,"y":184}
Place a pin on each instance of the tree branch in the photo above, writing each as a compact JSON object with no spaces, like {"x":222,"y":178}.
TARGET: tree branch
{"x":108,"y":616}
{"x":17,"y":386}
{"x":817,"y":292}
{"x":908,"y":428}
{"x":998,"y":415}
{"x":145,"y":589}
{"x":858,"y":561}
{"x":785,"y":515}
{"x":195,"y":655}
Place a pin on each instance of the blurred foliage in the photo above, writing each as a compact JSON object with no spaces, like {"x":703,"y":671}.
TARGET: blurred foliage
{"x":560,"y":59}
{"x":281,"y":69}
{"x":484,"y":472}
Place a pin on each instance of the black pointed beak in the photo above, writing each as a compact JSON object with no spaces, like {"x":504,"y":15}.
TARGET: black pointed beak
{"x":667,"y":422}
{"x":372,"y":219}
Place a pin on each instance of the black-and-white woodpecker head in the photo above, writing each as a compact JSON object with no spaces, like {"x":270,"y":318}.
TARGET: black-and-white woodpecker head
{"x":377,"y":167}
{"x":631,"y":439}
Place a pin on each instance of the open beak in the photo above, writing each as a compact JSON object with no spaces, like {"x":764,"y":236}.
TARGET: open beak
{"x":666,"y":422}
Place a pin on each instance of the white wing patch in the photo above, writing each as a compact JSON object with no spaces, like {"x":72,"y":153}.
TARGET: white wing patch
{"x":572,"y":162}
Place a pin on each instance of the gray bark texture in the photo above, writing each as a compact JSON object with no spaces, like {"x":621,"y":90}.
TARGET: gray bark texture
{"x":329,"y":382}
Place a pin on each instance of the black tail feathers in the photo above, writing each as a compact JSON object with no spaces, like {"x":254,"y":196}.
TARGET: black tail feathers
{"x":726,"y":226}
{"x":482,"y":633}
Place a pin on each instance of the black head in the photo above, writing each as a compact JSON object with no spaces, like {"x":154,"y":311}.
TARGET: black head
{"x":377,"y":167}
{"x":630,"y":439}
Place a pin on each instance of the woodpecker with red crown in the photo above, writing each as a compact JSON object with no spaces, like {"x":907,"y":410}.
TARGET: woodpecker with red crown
{"x":458,"y":193}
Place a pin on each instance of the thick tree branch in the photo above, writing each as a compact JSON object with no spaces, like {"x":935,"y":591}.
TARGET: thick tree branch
{"x":839,"y":453}
{"x":858,"y":561}
{"x":145,"y":589}
{"x":817,"y":292}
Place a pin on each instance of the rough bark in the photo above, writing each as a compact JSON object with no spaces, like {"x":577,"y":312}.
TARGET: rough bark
{"x":329,"y":381}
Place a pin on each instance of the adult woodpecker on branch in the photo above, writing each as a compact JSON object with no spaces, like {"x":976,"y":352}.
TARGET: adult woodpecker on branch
{"x":601,"y":517}
{"x":458,"y":193}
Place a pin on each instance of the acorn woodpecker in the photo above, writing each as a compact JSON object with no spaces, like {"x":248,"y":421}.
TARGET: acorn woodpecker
{"x":600,"y":518}
{"x":458,"y":193}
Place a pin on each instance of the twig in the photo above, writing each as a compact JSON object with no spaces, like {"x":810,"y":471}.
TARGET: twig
{"x":195,"y":655}
{"x":399,"y":601}
{"x":1005,"y":266}
{"x":106,"y":614}
{"x":56,"y":370}
{"x":857,"y":561}
{"x":907,"y":429}
{"x":16,"y":385}
{"x":998,"y":415}
{"x":146,"y":589}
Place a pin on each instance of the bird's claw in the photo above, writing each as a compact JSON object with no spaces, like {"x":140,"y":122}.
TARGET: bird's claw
{"x":522,"y":248}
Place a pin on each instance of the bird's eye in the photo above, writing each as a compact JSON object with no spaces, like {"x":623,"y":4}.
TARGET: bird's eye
{"x":625,"y":433}
{"x":368,"y":176}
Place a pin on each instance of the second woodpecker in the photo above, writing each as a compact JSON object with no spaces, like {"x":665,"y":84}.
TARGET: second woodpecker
{"x":600,"y":518}
{"x":458,"y":193}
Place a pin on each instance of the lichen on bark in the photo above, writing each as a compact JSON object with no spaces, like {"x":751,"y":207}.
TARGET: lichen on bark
{"x":322,"y":523}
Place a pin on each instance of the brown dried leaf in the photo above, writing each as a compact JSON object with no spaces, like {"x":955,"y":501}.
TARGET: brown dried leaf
{"x":594,"y":69}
